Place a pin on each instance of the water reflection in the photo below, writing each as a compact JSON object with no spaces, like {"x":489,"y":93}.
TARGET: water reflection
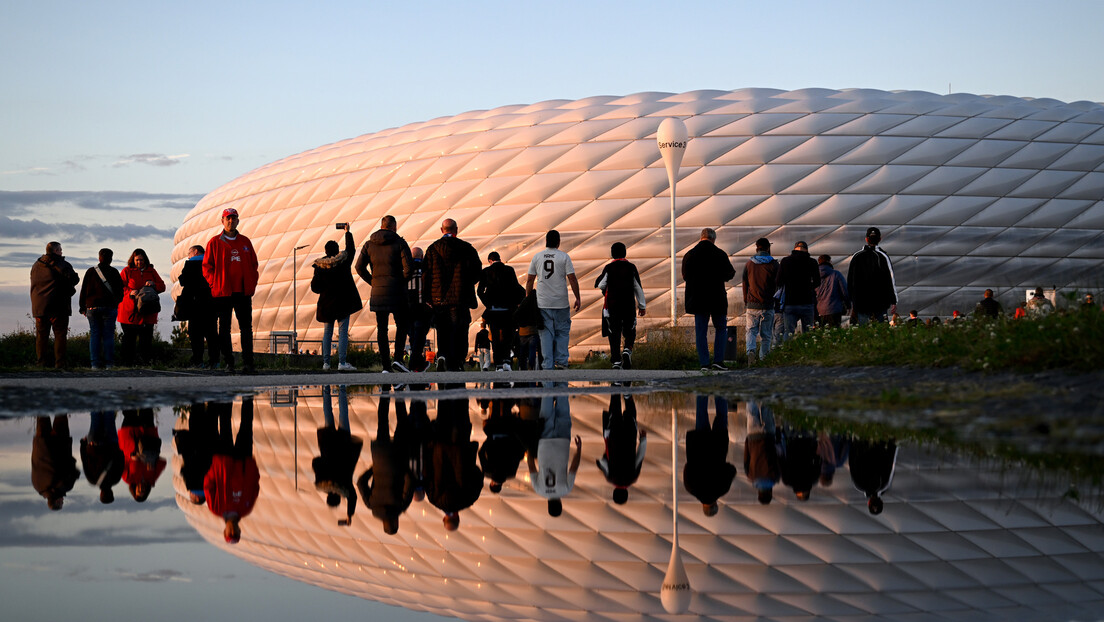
{"x":957,"y":538}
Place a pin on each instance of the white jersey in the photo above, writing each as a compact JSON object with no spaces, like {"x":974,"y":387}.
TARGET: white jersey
{"x":551,"y":267}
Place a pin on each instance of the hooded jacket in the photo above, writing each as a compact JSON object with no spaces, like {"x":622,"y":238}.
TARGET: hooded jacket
{"x":53,"y":283}
{"x":385,"y":264}
{"x":338,"y":297}
{"x":832,"y":292}
{"x":760,"y":280}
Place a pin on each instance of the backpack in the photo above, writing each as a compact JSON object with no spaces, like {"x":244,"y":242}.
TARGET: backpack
{"x":147,"y":302}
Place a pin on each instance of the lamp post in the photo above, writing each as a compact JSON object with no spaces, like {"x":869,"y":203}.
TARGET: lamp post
{"x":672,"y":138}
{"x":675,"y":592}
{"x":295,"y":296}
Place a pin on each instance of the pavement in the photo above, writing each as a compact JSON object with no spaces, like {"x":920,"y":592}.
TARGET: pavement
{"x":52,"y":392}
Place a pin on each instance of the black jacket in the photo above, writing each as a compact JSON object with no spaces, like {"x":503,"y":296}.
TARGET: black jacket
{"x":870,"y":281}
{"x":95,"y":295}
{"x":195,"y":292}
{"x":388,"y":256}
{"x":620,"y":281}
{"x":499,"y":287}
{"x":452,"y":268}
{"x":333,"y":282}
{"x":800,"y":275}
{"x":705,"y":270}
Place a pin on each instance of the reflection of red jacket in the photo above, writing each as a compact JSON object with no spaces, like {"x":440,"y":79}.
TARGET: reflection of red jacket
{"x":135,"y":470}
{"x":232,"y":485}
{"x":230,"y":266}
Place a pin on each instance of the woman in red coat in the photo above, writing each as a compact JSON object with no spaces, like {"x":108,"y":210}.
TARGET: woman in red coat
{"x":138,"y":323}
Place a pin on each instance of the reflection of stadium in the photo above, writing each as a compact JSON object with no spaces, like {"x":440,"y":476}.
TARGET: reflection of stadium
{"x":970,"y":191}
{"x":955,"y":541}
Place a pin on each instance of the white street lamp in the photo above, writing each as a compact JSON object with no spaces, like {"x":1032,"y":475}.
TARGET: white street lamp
{"x":672,"y":138}
{"x":675,"y":592}
{"x":295,"y":297}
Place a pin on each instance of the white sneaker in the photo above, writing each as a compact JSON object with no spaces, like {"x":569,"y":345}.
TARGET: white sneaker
{"x":399,"y":367}
{"x":325,"y":367}
{"x":345,"y":367}
{"x":505,"y":367}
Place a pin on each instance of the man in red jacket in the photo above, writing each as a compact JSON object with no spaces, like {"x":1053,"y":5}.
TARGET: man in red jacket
{"x":234,"y":482}
{"x":230,"y":266}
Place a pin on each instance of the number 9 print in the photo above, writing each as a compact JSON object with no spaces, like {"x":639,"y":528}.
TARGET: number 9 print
{"x":549,"y":268}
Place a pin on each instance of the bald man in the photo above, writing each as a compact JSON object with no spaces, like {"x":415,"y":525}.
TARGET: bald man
{"x":452,"y":269}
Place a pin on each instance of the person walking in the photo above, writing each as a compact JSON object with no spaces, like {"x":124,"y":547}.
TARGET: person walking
{"x":831,"y":294}
{"x":100,"y":295}
{"x":386,"y":264}
{"x":501,"y":293}
{"x":420,"y":317}
{"x":760,"y":279}
{"x":555,"y":270}
{"x":800,"y":276}
{"x":230,"y":265}
{"x":705,"y":270}
{"x":138,"y":310}
{"x":452,"y":269}
{"x":338,"y":298}
{"x":53,"y":283}
{"x":624,"y":299}
{"x":870,"y":282}
{"x":195,"y":307}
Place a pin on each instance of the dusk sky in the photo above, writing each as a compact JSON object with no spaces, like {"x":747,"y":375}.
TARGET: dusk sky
{"x":119,"y":116}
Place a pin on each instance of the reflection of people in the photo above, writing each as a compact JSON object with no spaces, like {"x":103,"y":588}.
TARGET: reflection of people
{"x":53,"y":467}
{"x":872,"y":464}
{"x":100,"y":454}
{"x":453,"y":480}
{"x":504,"y":448}
{"x":833,"y":450}
{"x":624,"y":456}
{"x":708,"y":474}
{"x":141,"y":446}
{"x":549,"y":472}
{"x":388,"y":485}
{"x":799,"y":462}
{"x":234,"y":482}
{"x":339,"y":452}
{"x":195,"y":445}
{"x":761,"y":451}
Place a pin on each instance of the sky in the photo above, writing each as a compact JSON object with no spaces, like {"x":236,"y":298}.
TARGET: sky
{"x":116,"y":118}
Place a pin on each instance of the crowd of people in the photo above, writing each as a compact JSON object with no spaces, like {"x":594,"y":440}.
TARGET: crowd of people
{"x":439,"y":288}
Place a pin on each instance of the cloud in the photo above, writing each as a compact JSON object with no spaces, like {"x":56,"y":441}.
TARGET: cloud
{"x":152,"y":159}
{"x":78,"y":233}
{"x":25,"y":259}
{"x":18,"y":203}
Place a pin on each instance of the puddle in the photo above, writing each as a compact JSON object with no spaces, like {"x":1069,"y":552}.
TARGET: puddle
{"x":862,"y":523}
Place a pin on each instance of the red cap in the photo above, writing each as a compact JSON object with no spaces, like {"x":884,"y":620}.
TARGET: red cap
{"x":229,"y":212}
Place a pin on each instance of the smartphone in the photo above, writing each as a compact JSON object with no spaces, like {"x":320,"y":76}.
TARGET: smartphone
{"x":341,"y":225}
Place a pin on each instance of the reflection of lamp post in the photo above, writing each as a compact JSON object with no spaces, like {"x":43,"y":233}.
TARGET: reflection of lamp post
{"x":675,"y":592}
{"x":295,"y":296}
{"x":672,"y":138}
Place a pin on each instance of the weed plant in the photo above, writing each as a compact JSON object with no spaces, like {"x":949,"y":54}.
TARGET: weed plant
{"x":1064,"y":339}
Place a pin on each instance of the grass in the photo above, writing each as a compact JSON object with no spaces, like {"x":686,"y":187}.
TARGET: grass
{"x":1061,"y":340}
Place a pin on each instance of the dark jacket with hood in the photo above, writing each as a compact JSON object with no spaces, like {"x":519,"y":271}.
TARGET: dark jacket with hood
{"x":870,"y":281}
{"x":499,"y":288}
{"x":338,"y":297}
{"x":832,"y":292}
{"x":800,"y":275}
{"x":53,"y":283}
{"x":452,"y":268}
{"x":760,"y":280}
{"x":705,"y":270}
{"x":388,"y":256}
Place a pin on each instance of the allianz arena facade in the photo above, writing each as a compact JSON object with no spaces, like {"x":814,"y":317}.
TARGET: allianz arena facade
{"x":971,"y":192}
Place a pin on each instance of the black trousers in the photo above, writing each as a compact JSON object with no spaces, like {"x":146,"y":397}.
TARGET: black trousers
{"x":452,"y":334}
{"x":241,"y":306}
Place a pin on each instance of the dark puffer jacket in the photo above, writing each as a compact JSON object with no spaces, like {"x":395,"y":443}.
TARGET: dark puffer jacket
{"x":338,"y":297}
{"x":53,"y":283}
{"x":388,"y":256}
{"x":452,"y":268}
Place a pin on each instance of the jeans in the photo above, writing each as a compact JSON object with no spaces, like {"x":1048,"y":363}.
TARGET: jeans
{"x":527,"y":356}
{"x":793,"y":313}
{"x":101,"y":335}
{"x":701,"y":335}
{"x":759,"y":322}
{"x":342,"y":340}
{"x":241,"y":306}
{"x":555,"y":336}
